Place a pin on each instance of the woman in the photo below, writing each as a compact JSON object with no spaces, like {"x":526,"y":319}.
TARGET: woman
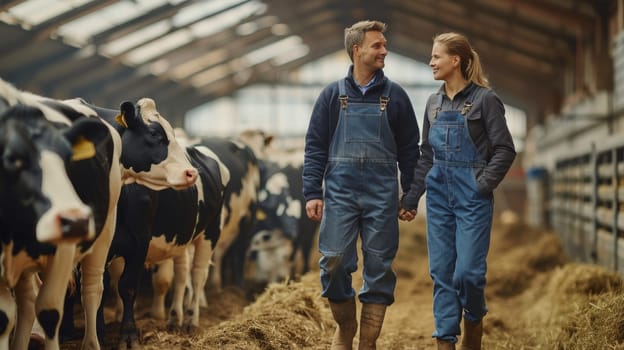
{"x":466,"y":151}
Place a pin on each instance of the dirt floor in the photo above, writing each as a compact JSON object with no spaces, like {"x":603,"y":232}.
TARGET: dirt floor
{"x":537,"y":299}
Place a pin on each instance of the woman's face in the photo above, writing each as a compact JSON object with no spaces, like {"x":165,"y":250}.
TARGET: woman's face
{"x":442,"y":64}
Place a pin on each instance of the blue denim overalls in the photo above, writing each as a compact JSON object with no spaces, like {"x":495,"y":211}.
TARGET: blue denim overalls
{"x":361,"y":197}
{"x":459,"y":220}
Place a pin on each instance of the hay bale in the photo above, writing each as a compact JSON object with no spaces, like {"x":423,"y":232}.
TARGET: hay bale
{"x":508,"y":280}
{"x":596,"y":324}
{"x":546,"y":254}
{"x":516,"y":268}
{"x":285,"y":316}
{"x":582,"y":279}
{"x":577,"y":306}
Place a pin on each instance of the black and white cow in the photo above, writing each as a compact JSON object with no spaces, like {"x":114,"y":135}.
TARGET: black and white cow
{"x":150,"y":155}
{"x":97,"y":181}
{"x":240,"y":205}
{"x":154,"y":226}
{"x":41,"y":217}
{"x":239,"y":211}
{"x":306,"y":228}
{"x":283,"y":229}
{"x":283,"y":232}
{"x":269,"y":253}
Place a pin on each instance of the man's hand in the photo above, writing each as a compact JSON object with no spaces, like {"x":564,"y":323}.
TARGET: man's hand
{"x":407,"y":215}
{"x":314,"y":209}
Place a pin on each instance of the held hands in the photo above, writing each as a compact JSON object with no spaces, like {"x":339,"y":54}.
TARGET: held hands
{"x":314,"y":209}
{"x":407,"y":215}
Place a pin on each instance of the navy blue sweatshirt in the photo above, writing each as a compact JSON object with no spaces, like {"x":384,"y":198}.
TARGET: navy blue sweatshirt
{"x":324,"y":120}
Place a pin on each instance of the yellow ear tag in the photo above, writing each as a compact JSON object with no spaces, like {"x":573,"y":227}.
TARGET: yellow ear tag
{"x":121,"y":119}
{"x":83,"y":149}
{"x":260,"y":215}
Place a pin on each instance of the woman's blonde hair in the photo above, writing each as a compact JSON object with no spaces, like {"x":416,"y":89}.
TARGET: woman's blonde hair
{"x":470,"y":64}
{"x":354,"y":35}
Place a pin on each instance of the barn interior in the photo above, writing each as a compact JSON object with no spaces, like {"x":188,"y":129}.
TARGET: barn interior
{"x":559,"y":63}
{"x":218,"y":67}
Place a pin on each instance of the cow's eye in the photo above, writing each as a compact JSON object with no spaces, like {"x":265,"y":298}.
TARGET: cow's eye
{"x":13,"y":162}
{"x":154,"y":134}
{"x":159,"y":137}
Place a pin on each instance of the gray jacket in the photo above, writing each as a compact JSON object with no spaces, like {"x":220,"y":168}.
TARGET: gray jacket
{"x":488,"y":130}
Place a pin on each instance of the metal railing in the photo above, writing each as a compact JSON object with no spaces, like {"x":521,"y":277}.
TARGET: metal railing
{"x":587,"y":207}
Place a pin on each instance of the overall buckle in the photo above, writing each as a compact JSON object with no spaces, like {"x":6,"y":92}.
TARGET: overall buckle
{"x":383,"y":102}
{"x":343,"y":101}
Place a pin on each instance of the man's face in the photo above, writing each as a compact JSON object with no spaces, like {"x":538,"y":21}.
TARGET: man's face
{"x":372,"y":53}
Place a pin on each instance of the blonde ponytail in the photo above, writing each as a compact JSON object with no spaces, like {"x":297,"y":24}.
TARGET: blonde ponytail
{"x":474,"y":71}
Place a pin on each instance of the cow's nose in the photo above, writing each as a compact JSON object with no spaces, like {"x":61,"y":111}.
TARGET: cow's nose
{"x":74,"y":227}
{"x":191,"y":175}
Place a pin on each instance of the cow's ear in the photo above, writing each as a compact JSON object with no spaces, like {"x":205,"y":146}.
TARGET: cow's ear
{"x":121,"y":120}
{"x":127,"y":115}
{"x":83,"y":135}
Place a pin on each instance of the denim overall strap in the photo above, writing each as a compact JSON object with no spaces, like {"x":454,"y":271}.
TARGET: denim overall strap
{"x":361,"y":199}
{"x":363,"y":132}
{"x":459,"y":220}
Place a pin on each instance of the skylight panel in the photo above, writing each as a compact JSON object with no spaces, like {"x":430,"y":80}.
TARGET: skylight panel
{"x":291,"y":55}
{"x":159,"y":47}
{"x":186,"y":69}
{"x":132,"y":40}
{"x":269,"y":51}
{"x":35,"y":12}
{"x":227,"y":19}
{"x":200,"y":10}
{"x":82,"y":29}
{"x":213,"y":74}
{"x":251,"y":27}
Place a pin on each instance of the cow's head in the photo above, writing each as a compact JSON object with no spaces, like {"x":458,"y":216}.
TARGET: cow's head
{"x":258,"y":141}
{"x":35,"y":190}
{"x":269,"y":255}
{"x":150,"y":152}
{"x":277,"y":207}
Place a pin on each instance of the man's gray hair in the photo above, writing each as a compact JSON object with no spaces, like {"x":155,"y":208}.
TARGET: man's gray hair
{"x":354,"y":35}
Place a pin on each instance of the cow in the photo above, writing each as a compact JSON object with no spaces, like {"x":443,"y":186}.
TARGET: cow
{"x":41,"y":216}
{"x":276,"y":228}
{"x":97,"y":181}
{"x":283,"y":226}
{"x":306,"y":228}
{"x":154,"y":226}
{"x":24,"y":252}
{"x":283,"y":232}
{"x":240,"y":205}
{"x":239,"y":213}
{"x":151,"y":157}
{"x":268,"y":260}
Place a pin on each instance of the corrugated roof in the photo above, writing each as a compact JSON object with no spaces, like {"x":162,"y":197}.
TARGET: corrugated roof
{"x":186,"y":53}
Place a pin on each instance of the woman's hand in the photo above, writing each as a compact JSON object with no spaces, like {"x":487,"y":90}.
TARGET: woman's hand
{"x":407,"y":215}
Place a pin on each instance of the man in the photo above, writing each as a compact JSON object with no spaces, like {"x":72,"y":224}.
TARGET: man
{"x":360,"y":128}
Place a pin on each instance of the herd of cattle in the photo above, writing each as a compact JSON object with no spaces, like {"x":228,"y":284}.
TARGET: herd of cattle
{"x":111,"y":191}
